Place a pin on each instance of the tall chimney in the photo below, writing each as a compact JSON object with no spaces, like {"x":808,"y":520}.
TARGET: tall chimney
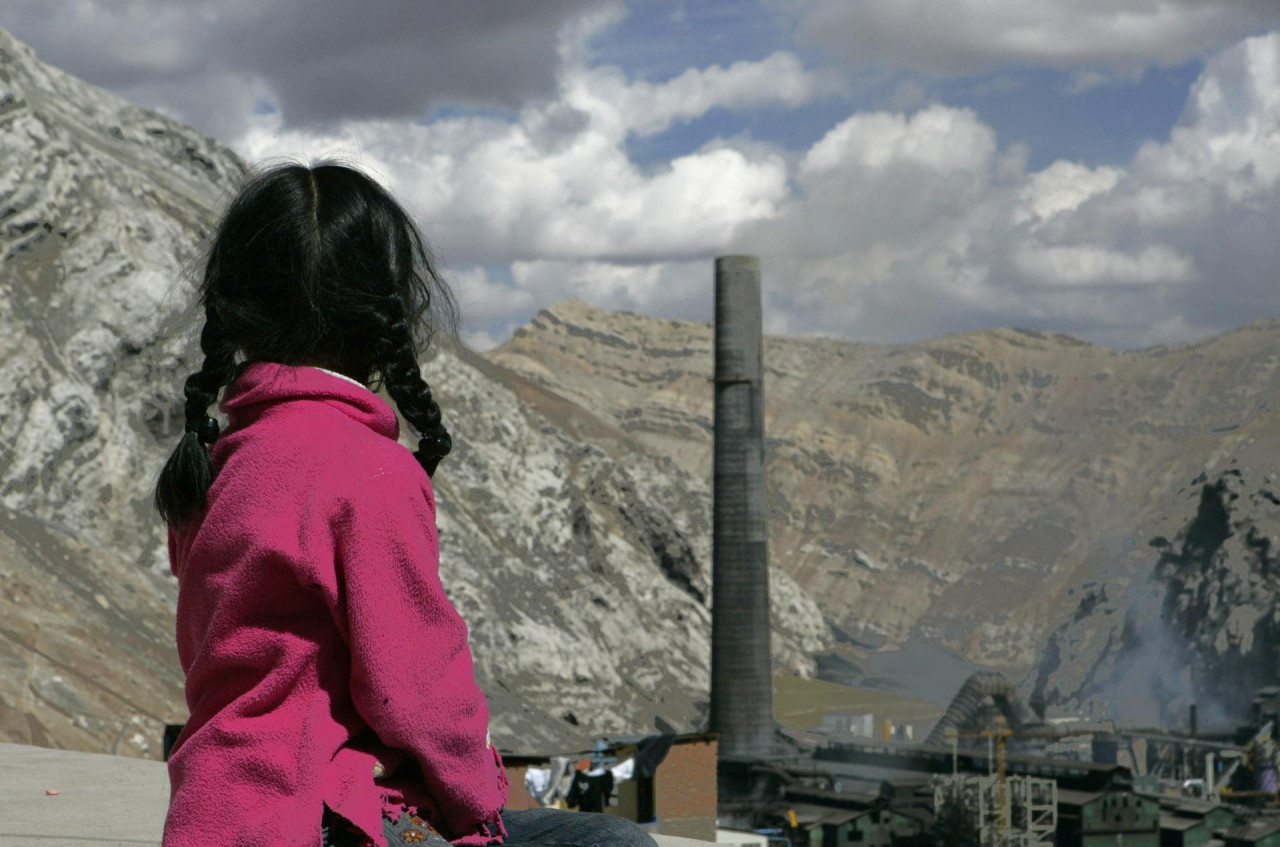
{"x":741,"y":667}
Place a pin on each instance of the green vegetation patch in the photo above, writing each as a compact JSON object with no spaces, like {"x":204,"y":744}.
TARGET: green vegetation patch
{"x":800,"y":703}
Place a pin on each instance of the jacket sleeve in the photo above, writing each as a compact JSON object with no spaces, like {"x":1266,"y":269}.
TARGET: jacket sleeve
{"x":412,"y":677}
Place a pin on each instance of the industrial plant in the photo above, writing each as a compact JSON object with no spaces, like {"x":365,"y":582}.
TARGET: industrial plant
{"x":992,"y":772}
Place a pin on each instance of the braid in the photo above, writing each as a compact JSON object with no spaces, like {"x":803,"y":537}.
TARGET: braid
{"x":398,"y":361}
{"x":184,"y":482}
{"x":202,"y":387}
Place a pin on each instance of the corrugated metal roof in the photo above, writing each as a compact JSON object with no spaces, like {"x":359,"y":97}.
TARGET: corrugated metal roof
{"x":1255,"y":828}
{"x":1069,"y":797}
{"x":1178,"y":823}
{"x":1187,"y":805}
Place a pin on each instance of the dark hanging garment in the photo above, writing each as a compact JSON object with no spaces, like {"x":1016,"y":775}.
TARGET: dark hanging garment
{"x":650,"y":752}
{"x":573,"y":797}
{"x":590,"y":793}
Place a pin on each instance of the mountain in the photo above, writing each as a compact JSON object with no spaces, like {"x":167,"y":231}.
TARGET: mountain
{"x":1200,"y":623}
{"x":101,"y":206}
{"x":576,"y":554}
{"x":1011,"y":499}
{"x":969,"y":491}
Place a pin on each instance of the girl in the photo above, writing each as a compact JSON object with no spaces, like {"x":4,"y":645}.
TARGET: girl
{"x":330,"y":685}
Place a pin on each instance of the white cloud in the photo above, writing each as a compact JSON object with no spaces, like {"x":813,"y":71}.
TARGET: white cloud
{"x":892,"y":225}
{"x":915,"y":225}
{"x":1091,"y":264}
{"x":1059,"y":188}
{"x":1229,"y":133}
{"x":679,"y":289}
{"x":968,"y":36}
{"x":936,"y":138}
{"x":557,"y":182}
{"x":646,"y":108}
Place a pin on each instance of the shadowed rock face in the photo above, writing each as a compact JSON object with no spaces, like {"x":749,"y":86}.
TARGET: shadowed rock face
{"x":577,"y":554}
{"x":970,"y":489}
{"x":1201,"y":622}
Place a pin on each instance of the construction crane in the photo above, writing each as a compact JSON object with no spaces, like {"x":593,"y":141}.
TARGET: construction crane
{"x":996,"y":739}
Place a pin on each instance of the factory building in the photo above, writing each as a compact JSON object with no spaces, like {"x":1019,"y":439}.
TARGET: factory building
{"x":992,"y":771}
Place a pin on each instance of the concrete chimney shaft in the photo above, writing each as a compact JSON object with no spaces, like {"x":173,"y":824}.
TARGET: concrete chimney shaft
{"x":741,"y":667}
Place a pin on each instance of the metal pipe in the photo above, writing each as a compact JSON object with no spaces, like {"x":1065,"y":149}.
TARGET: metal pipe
{"x":741,"y":665}
{"x":1176,"y":738}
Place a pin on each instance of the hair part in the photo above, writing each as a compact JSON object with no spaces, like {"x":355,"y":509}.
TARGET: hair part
{"x":312,"y":266}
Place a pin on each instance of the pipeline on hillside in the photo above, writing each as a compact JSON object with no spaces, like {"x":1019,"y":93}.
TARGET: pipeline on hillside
{"x":968,"y":701}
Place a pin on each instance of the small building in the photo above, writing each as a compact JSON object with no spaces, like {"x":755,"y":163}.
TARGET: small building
{"x":1114,"y":818}
{"x":879,"y":826}
{"x":848,"y":723}
{"x":679,"y":799}
{"x":1192,"y":823}
{"x":1260,"y":832}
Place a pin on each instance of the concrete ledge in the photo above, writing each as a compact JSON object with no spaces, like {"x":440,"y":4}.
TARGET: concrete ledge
{"x":107,"y":801}
{"x":104,"y":801}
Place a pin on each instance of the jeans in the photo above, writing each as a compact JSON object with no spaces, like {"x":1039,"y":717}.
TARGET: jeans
{"x":572,"y":829}
{"x":525,"y":828}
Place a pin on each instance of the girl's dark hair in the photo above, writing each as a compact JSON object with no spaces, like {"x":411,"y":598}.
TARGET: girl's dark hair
{"x":312,"y":266}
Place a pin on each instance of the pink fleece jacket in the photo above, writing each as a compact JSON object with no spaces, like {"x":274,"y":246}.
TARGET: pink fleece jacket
{"x":315,"y":633}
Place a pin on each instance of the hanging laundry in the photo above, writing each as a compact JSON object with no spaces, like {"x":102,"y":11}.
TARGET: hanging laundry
{"x":624,"y":771}
{"x":590,"y":791}
{"x":537,"y":781}
{"x":558,"y":782}
{"x":650,"y":752}
{"x":566,"y":782}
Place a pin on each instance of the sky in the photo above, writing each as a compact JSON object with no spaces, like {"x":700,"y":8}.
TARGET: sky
{"x":904,"y":169}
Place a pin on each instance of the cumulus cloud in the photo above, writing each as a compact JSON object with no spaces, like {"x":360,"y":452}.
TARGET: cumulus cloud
{"x":649,"y":108}
{"x":1091,"y":264}
{"x":892,"y":225}
{"x":558,"y":183}
{"x":915,"y":225}
{"x":936,"y":139}
{"x":970,"y":36}
{"x":315,"y":61}
{"x":1059,"y":188}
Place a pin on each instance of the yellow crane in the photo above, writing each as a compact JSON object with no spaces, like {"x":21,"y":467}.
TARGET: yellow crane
{"x":996,"y":739}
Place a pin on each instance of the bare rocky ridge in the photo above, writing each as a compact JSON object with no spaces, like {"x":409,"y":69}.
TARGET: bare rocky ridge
{"x":577,"y":555}
{"x":994,"y":492}
{"x":963,"y":490}
{"x":101,"y":203}
{"x":1201,"y":620}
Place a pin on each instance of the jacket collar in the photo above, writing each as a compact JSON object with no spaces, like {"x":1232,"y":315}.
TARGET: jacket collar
{"x":259,"y":385}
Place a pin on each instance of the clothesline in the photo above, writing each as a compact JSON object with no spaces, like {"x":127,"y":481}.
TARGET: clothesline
{"x":588,"y":788}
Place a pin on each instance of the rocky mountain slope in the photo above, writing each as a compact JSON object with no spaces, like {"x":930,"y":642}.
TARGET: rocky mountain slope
{"x":996,"y":493}
{"x":963,"y":490}
{"x":1200,"y":623}
{"x":577,"y":555}
{"x":101,"y":204}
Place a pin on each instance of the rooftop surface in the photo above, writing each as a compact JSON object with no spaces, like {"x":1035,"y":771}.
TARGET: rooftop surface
{"x":106,"y":801}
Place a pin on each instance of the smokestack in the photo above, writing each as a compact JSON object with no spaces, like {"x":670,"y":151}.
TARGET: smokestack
{"x":741,"y":666}
{"x":1191,"y":720}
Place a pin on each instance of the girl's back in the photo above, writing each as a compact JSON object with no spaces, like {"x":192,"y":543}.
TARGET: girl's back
{"x":329,"y":679}
{"x":308,"y":566}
